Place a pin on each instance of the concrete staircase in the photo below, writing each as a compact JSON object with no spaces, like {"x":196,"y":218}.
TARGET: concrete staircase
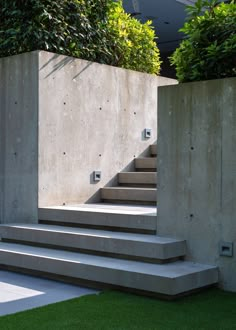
{"x":107,"y":244}
{"x":137,"y":187}
{"x":122,"y":252}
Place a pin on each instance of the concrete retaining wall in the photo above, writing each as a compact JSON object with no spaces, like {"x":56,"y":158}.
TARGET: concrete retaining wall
{"x":92,"y":117}
{"x":62,"y":118}
{"x":18,"y":138}
{"x":197,"y":170}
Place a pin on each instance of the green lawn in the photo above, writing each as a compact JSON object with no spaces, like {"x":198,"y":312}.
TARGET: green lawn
{"x":212,"y":309}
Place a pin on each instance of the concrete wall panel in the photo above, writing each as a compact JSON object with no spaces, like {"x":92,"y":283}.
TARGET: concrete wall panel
{"x":92,"y":117}
{"x":61,"y":118}
{"x":18,"y":138}
{"x":197,"y":170}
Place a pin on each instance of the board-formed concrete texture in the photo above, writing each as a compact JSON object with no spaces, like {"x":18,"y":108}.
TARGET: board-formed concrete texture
{"x":197,"y":171}
{"x":19,"y":138}
{"x":92,"y":117}
{"x":63,"y":118}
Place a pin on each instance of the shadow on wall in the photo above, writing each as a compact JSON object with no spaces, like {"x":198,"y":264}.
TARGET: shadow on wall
{"x":93,"y":105}
{"x":95,"y":198}
{"x":62,"y":63}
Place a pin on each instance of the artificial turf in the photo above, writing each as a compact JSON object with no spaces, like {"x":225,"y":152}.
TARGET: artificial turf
{"x":212,"y":309}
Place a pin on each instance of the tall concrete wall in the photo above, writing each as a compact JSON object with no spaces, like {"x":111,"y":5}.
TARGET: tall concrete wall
{"x":92,"y":117}
{"x":197,"y":170}
{"x":62,"y":118}
{"x":18,"y":138}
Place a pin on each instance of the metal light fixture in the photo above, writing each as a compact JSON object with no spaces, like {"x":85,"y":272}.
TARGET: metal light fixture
{"x":97,"y":175}
{"x":147,"y":133}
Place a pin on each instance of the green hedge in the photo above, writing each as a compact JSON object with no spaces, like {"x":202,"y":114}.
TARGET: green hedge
{"x":95,"y":30}
{"x":209,"y":52}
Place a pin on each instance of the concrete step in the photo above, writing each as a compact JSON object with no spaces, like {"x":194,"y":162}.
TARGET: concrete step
{"x":134,"y":246}
{"x":170,"y":279}
{"x":137,"y":178}
{"x":147,"y":163}
{"x":141,"y":219}
{"x":153,"y":150}
{"x":128,"y":194}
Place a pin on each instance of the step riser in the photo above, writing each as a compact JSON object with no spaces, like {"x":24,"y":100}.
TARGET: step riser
{"x":118,"y":277}
{"x":135,"y":195}
{"x":146,"y":163}
{"x":126,"y":202}
{"x":137,"y":250}
{"x":120,"y":222}
{"x":148,"y":170}
{"x":137,"y":178}
{"x":135,"y":185}
{"x":153,"y":150}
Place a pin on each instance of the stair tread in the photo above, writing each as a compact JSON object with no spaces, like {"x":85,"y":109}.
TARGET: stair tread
{"x":93,"y":233}
{"x":172,"y":271}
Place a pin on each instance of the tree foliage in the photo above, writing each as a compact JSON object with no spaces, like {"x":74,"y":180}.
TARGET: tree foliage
{"x":95,"y":30}
{"x":209,"y":52}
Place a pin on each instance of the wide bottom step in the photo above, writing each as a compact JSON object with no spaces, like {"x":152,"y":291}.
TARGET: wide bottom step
{"x":169,"y":279}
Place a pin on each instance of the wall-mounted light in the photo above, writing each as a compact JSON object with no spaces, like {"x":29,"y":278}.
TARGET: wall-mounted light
{"x":97,"y":175}
{"x":226,"y":249}
{"x":147,"y":133}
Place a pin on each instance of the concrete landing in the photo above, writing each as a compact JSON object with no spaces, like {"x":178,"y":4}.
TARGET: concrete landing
{"x":20,"y":292}
{"x":108,"y":208}
{"x":119,"y":217}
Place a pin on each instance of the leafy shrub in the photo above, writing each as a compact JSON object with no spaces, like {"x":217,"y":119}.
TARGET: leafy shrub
{"x":209,"y":52}
{"x":89,"y":29}
{"x":135,"y":45}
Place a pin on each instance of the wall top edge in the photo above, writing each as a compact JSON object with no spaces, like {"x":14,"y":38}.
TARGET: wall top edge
{"x":34,"y":52}
{"x":196,"y":84}
{"x":56,"y":55}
